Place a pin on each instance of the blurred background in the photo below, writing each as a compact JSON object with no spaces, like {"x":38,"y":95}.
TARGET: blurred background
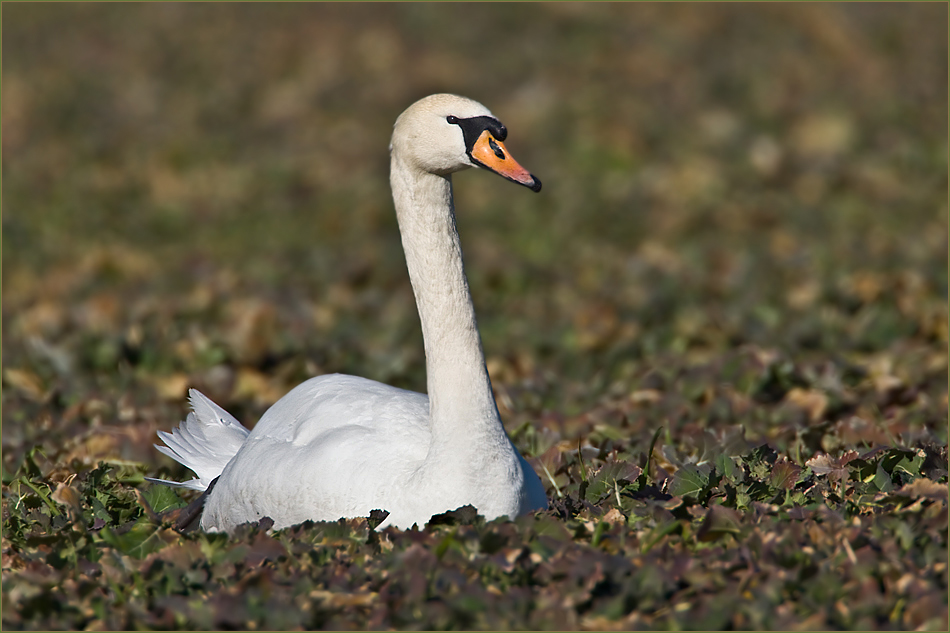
{"x":197,"y":195}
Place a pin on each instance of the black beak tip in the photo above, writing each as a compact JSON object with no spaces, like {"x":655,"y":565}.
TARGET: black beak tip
{"x":536,"y":184}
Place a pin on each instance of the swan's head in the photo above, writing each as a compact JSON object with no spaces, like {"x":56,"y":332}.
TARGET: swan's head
{"x":444,"y":133}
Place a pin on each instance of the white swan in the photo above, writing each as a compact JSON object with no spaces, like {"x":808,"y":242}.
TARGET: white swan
{"x":341,"y":446}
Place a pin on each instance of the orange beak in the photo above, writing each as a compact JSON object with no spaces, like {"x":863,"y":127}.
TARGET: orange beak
{"x":491,"y":154}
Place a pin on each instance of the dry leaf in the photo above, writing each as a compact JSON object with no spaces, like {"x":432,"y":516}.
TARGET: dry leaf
{"x":252,"y":330}
{"x":68,"y":496}
{"x":718,"y":522}
{"x":836,"y":468}
{"x":812,"y":401}
{"x":925,"y":488}
{"x":251,"y":383}
{"x":173,"y":387}
{"x":645,"y":396}
{"x":26,"y":382}
{"x":785,"y":474}
{"x":614,"y":516}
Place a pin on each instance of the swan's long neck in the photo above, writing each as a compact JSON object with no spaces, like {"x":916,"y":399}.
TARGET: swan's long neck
{"x":462,"y":406}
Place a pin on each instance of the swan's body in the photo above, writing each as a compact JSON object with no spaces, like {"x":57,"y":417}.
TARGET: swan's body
{"x":341,"y":446}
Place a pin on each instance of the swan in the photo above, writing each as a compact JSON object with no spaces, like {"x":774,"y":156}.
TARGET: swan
{"x":339,"y":446}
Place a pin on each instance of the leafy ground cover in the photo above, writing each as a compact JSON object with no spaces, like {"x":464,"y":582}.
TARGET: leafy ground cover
{"x":720,"y":332}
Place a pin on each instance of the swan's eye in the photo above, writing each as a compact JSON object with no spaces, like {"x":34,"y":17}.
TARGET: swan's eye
{"x":451,"y":119}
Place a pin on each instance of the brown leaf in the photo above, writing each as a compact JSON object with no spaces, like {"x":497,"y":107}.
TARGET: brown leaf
{"x":343,"y":600}
{"x":26,"y":382}
{"x":822,"y":135}
{"x":596,"y":325}
{"x":647,"y":396}
{"x":547,"y":465}
{"x":45,"y":318}
{"x":96,"y":445}
{"x":785,"y":474}
{"x":99,"y":313}
{"x":68,"y":496}
{"x":173,"y":387}
{"x":924,"y":488}
{"x":718,"y":522}
{"x":812,"y":401}
{"x":252,"y":330}
{"x":928,"y":613}
{"x":264,"y":547}
{"x":251,"y":383}
{"x":836,"y":468}
{"x":804,"y":295}
{"x":614,"y":516}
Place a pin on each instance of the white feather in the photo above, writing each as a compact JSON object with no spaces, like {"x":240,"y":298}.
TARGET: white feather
{"x":205,"y":442}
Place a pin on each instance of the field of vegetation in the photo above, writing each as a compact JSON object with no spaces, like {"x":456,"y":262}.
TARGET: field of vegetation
{"x":720,"y":331}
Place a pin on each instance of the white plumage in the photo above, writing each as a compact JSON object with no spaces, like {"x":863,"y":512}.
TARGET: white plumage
{"x":341,"y":446}
{"x":205,"y":442}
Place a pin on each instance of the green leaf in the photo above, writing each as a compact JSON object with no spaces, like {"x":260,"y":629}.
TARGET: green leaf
{"x":647,"y":473}
{"x":43,"y":493}
{"x":882,"y":480}
{"x":760,"y":461}
{"x":607,"y":476}
{"x":162,"y":498}
{"x":910,"y":465}
{"x":718,"y":522}
{"x":580,"y":459}
{"x":760,"y":491}
{"x":688,"y":481}
{"x":140,"y":541}
{"x":29,"y":467}
{"x":726,"y":465}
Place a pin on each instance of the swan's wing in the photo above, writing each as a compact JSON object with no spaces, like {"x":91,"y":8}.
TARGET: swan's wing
{"x":204,"y":442}
{"x":335,"y":402}
{"x":334,"y":446}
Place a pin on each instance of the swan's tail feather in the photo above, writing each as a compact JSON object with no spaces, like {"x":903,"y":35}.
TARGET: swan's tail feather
{"x":205,"y":442}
